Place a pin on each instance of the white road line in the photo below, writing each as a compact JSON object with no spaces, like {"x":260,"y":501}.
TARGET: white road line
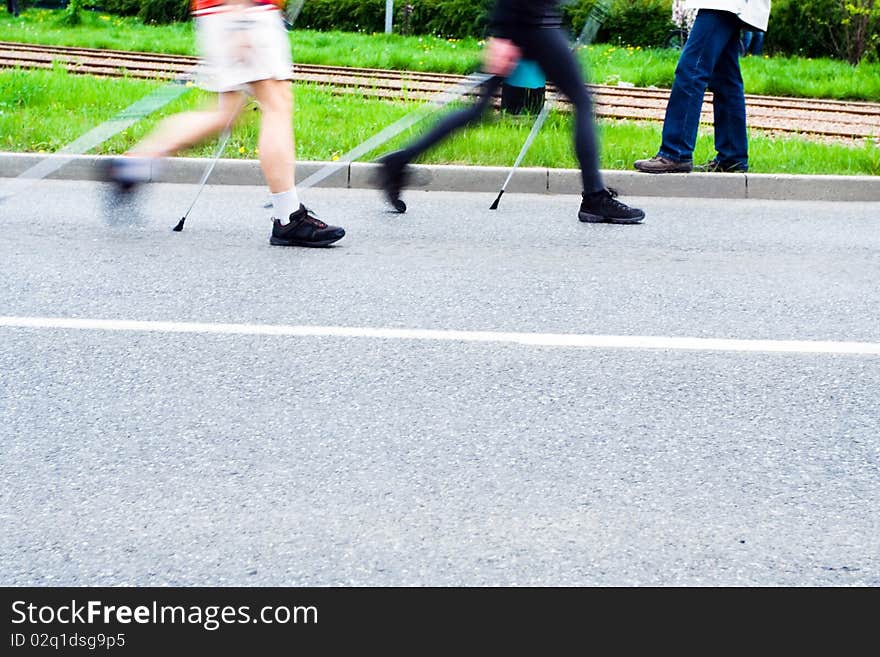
{"x":563,"y":340}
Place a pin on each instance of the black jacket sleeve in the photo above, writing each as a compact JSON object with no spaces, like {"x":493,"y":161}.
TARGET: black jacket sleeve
{"x":509,"y":14}
{"x":504,"y":16}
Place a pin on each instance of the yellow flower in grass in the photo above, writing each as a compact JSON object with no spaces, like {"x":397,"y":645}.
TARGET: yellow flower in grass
{"x":242,"y":150}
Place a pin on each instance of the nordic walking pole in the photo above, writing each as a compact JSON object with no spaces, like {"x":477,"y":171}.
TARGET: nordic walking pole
{"x":96,"y":136}
{"x":536,"y":128}
{"x":227,"y":131}
{"x":594,"y":21}
{"x":291,"y":12}
{"x":222,"y":145}
{"x":441,"y":98}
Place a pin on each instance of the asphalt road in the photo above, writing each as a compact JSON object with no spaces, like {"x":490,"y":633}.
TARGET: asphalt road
{"x":164,"y":458}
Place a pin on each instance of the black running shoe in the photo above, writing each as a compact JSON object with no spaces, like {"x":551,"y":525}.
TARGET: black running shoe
{"x":602,"y":207}
{"x":393,"y":178}
{"x":304,"y":229}
{"x":126,"y":173}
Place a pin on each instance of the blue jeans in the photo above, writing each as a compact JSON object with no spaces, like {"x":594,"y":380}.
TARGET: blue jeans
{"x":752,"y":42}
{"x":710,"y":59}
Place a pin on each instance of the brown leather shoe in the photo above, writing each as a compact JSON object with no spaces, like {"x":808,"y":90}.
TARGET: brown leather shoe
{"x":660,"y":164}
{"x":717,"y":166}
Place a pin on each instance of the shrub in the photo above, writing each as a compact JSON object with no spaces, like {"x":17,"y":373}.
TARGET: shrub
{"x":859,"y":36}
{"x":639,"y":23}
{"x":646,"y":23}
{"x":632,"y":22}
{"x":345,"y":15}
{"x":164,"y":11}
{"x":447,"y":18}
{"x":444,"y":18}
{"x":801,"y":27}
{"x":71,"y":15}
{"x":120,"y":7}
{"x":844,"y":29}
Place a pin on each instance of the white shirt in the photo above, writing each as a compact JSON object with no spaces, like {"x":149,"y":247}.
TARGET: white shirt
{"x":755,"y":13}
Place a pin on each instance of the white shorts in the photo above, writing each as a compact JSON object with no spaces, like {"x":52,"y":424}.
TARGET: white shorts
{"x":239,"y":46}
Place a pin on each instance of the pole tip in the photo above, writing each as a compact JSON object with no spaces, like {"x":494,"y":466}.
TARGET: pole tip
{"x":179,"y":226}
{"x":494,"y":206}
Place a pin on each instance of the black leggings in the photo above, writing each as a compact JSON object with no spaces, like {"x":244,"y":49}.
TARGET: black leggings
{"x":550,"y":49}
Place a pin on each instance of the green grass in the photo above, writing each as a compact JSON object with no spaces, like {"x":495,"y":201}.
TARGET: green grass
{"x":41,"y":111}
{"x":97,"y":31}
{"x":386,"y":51}
{"x":770,"y":76}
{"x":784,"y":76}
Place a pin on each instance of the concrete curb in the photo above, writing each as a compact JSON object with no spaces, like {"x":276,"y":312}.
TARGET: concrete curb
{"x":360,"y":175}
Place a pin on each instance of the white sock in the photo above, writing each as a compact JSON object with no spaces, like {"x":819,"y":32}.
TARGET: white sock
{"x":136,"y":168}
{"x":284,"y":204}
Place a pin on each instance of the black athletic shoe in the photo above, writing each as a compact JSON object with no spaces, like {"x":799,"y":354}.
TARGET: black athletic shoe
{"x":602,"y":207}
{"x":393,"y":178}
{"x":717,"y":166}
{"x":126,"y":173}
{"x":304,"y":229}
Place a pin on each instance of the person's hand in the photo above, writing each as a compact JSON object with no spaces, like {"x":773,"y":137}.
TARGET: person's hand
{"x":500,"y":56}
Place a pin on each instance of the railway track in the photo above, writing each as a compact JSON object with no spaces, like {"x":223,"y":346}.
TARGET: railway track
{"x":826,"y":118}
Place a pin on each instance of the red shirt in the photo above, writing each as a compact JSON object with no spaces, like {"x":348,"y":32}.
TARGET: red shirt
{"x":200,"y":6}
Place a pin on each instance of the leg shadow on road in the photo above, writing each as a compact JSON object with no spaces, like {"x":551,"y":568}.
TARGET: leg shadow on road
{"x":123,"y":208}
